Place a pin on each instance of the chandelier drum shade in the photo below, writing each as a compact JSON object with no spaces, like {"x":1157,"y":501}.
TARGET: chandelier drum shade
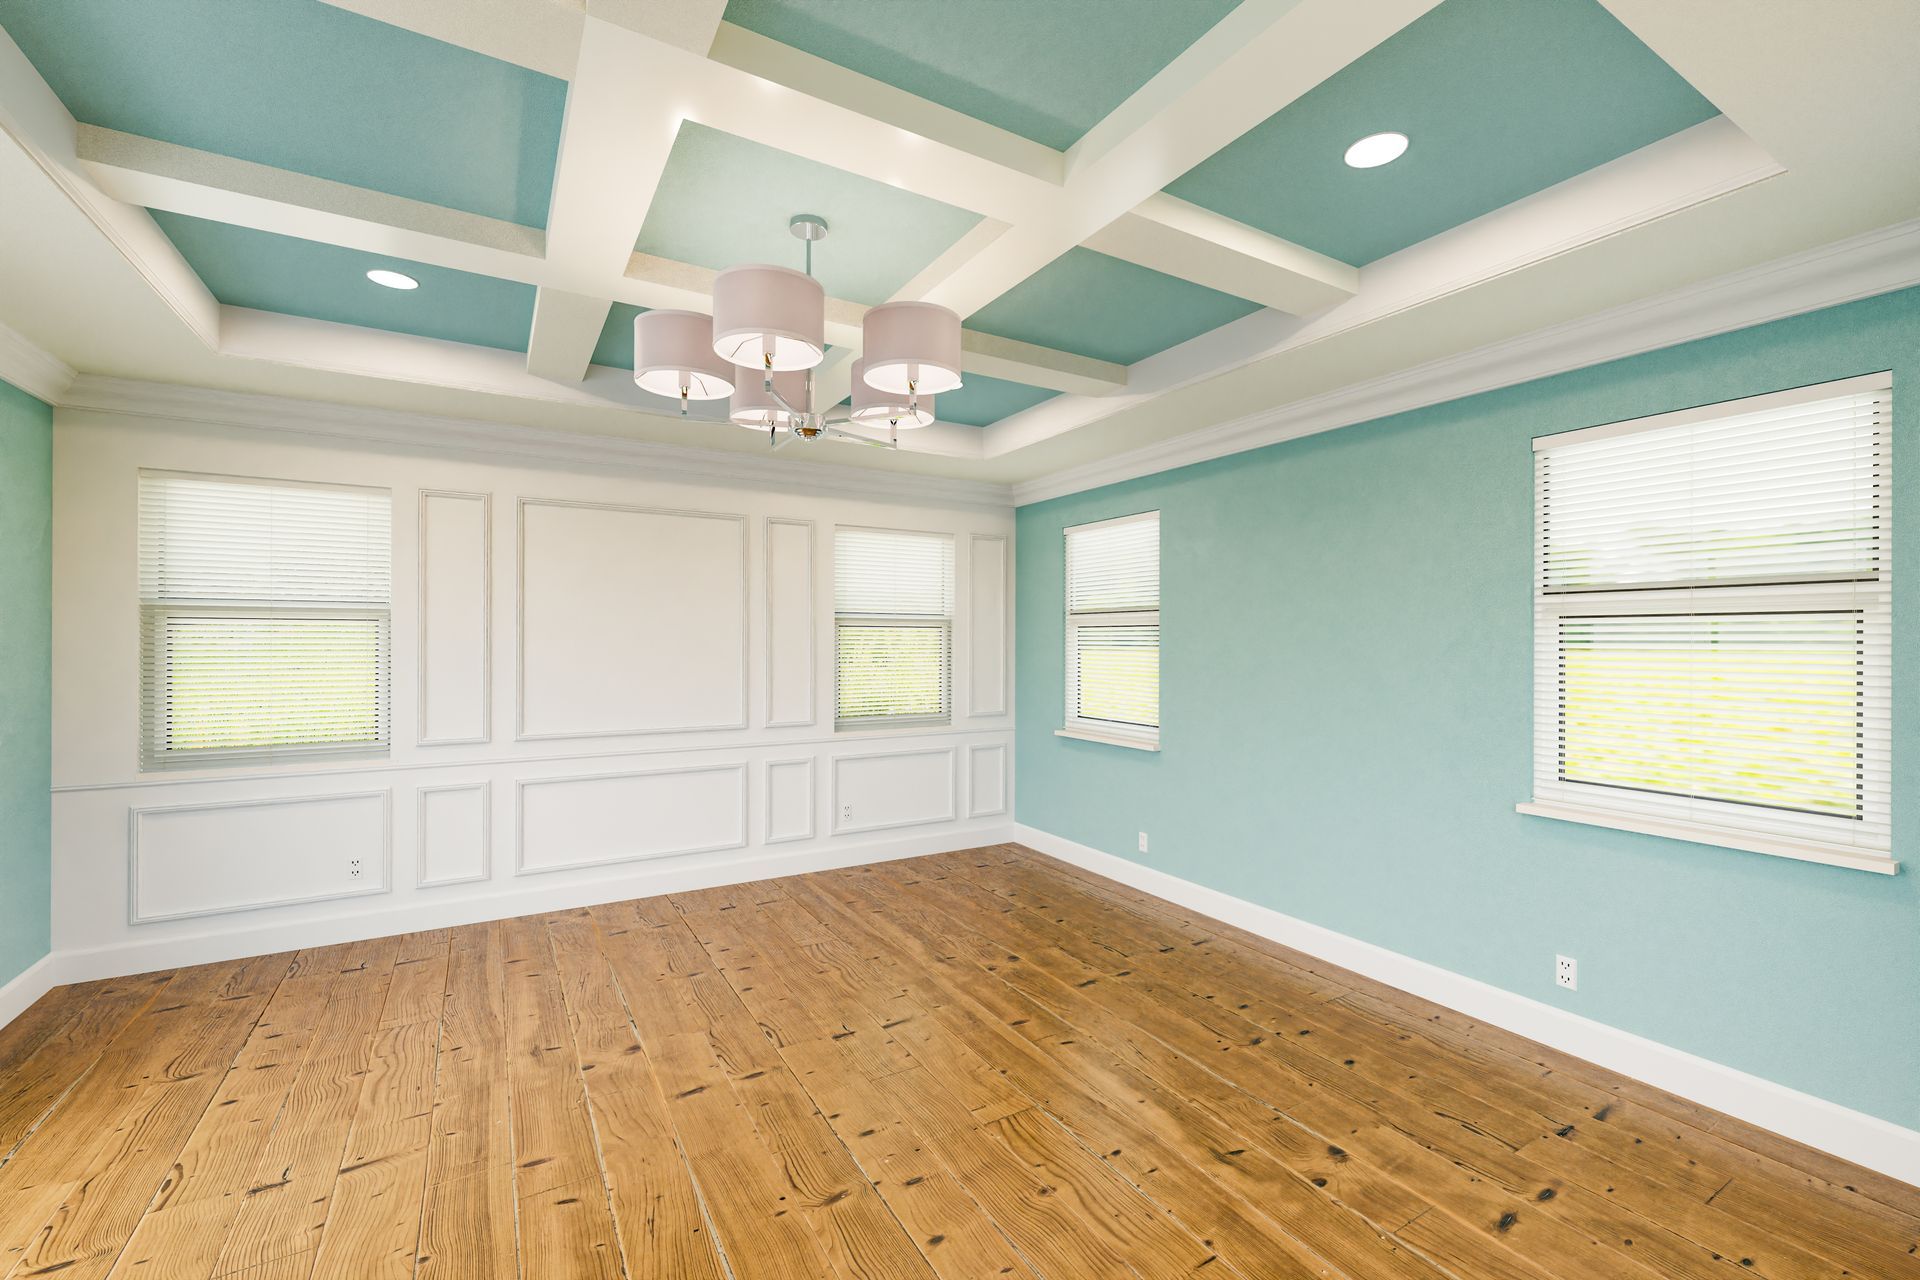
{"x":752,"y":405}
{"x":674,"y":357}
{"x":768,"y":333}
{"x":911,"y":348}
{"x":769,"y":318}
{"x":873,"y":407}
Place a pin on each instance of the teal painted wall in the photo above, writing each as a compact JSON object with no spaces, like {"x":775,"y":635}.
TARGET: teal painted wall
{"x":26,"y":675}
{"x":1347,"y":725}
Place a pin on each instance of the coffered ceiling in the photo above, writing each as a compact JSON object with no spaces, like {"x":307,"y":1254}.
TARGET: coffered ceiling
{"x":1140,"y":208}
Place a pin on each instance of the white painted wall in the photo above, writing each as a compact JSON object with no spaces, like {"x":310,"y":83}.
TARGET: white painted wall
{"x":605,"y":684}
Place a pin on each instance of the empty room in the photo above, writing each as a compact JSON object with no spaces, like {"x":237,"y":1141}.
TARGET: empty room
{"x":959,"y":639}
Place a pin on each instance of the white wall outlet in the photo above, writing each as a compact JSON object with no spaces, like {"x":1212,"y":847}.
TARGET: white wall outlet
{"x":1566,"y":972}
{"x":353,"y":868}
{"x":846,"y":813}
{"x":1143,"y":842}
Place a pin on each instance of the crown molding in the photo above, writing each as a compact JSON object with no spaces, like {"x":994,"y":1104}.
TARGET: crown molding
{"x":33,"y":368}
{"x":525,"y":446}
{"x":1848,"y":270}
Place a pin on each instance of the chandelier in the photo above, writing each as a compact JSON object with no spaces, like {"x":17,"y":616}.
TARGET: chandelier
{"x":759,"y":348}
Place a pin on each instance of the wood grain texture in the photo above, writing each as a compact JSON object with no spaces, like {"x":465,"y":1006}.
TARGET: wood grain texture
{"x":979,"y":1064}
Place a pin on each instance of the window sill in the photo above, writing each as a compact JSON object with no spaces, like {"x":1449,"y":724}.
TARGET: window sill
{"x":1832,"y":855}
{"x":1110,"y":739}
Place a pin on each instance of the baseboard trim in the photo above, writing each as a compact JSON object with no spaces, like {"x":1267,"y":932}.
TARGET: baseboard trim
{"x":514,"y":898}
{"x":1852,"y":1135}
{"x":17,"y":996}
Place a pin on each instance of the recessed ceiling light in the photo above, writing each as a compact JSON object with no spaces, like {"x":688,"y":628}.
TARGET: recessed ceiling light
{"x":392,"y":279}
{"x":1377,"y":149}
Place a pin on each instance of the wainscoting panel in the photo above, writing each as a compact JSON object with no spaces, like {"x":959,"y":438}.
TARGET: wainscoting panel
{"x":877,"y":790}
{"x":455,"y":833}
{"x":240,"y":855}
{"x":456,"y":617}
{"x":986,"y":779}
{"x":595,"y":819}
{"x":631,"y":620}
{"x":789,"y":799}
{"x":987,"y":632}
{"x":789,"y":570}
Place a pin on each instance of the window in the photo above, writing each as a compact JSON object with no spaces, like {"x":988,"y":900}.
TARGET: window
{"x":263,"y":620}
{"x":1712,"y":632}
{"x":892,"y":627}
{"x":1113,"y":631}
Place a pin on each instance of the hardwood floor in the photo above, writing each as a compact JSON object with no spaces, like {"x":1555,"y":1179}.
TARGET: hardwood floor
{"x":980,"y":1064}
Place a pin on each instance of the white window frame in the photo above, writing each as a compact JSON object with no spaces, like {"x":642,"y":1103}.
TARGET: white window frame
{"x":1111,"y":732}
{"x":153,"y":718}
{"x":943,"y":625}
{"x":1702,"y":820}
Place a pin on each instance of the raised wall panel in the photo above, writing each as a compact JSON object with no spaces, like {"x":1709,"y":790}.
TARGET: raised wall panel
{"x":986,"y":779}
{"x":987,"y":626}
{"x":206,"y":859}
{"x":456,"y":617}
{"x":592,"y":820}
{"x":882,"y":789}
{"x":789,"y":793}
{"x":789,"y":569}
{"x":455,"y":833}
{"x":631,"y":620}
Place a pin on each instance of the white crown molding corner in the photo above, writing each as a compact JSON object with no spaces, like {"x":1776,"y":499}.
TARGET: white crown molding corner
{"x":524,"y":446}
{"x":38,"y":978}
{"x":1864,"y":266}
{"x":1826,"y":1126}
{"x":33,"y":368}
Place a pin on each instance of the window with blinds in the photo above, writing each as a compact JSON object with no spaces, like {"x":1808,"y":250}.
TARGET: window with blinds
{"x":264,"y":617}
{"x":892,"y":627}
{"x":1113,"y":629}
{"x":1712,"y":624}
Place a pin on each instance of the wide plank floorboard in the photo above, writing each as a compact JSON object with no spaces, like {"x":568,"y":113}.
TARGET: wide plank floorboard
{"x":978,"y":1064}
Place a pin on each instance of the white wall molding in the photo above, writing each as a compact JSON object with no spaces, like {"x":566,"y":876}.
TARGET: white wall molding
{"x":137,"y":818}
{"x":18,"y":995}
{"x":988,"y":800}
{"x":771,"y":832}
{"x":423,"y":612}
{"x":32,"y":368}
{"x":990,"y":634}
{"x":735,"y":839}
{"x":1852,"y":1135}
{"x":523,"y":446}
{"x":1878,"y":262}
{"x":846,"y":793}
{"x":771,"y":624}
{"x":421,"y":832}
{"x":512,"y":898}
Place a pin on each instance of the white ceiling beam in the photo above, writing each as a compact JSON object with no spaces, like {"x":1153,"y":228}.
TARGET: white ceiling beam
{"x":1255,"y":61}
{"x":35,"y":118}
{"x":1183,"y":240}
{"x":566,"y":328}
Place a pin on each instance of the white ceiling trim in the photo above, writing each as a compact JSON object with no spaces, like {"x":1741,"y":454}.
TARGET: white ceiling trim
{"x":33,"y":369}
{"x":1875,"y":263}
{"x":525,"y":446}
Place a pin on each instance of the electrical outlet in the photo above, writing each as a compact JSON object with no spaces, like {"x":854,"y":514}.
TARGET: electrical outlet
{"x":1143,"y":842}
{"x":846,"y":813}
{"x":353,"y":868}
{"x":1566,"y":972}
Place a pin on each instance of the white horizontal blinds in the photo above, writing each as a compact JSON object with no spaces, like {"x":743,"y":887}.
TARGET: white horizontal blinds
{"x":264,"y":619}
{"x":1713,"y":630}
{"x":1113,"y":625}
{"x":1786,"y":494}
{"x":893,"y":626}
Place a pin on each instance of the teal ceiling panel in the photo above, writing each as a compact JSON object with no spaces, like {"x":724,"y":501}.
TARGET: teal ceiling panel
{"x":983,"y":400}
{"x":1500,"y":99}
{"x":615,"y":348}
{"x":1094,"y":305}
{"x":247,"y":268}
{"x":724,"y":201}
{"x":1048,"y":71}
{"x":309,"y":87}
